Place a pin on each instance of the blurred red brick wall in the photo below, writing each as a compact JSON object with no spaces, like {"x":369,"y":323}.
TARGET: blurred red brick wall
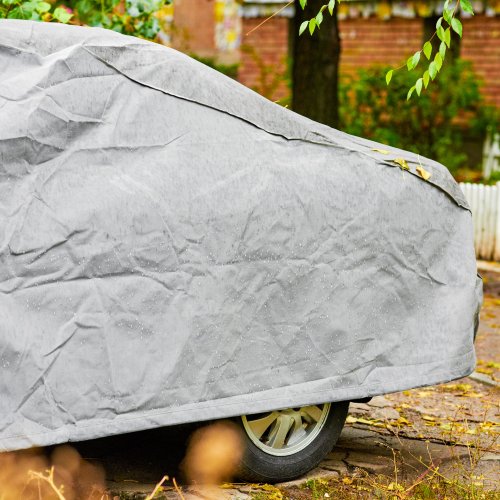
{"x":481,"y":45}
{"x":194,"y":27}
{"x":264,"y":54}
{"x":365,"y":42}
{"x":370,"y":41}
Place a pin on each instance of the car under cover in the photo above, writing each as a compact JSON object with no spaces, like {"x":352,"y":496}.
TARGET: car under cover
{"x":175,"y":247}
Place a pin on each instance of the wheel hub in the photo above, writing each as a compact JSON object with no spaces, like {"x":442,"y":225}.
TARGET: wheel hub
{"x":285,"y":432}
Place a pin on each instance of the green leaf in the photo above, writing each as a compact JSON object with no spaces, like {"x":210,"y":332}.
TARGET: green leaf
{"x":447,"y":14}
{"x":388,"y":76}
{"x":438,"y":23}
{"x":447,"y":37}
{"x":457,"y":26}
{"x":409,"y":63}
{"x":303,"y":4}
{"x":433,"y":71}
{"x":312,"y":25}
{"x":410,"y":92}
{"x":440,"y":33}
{"x":416,"y":58}
{"x":62,"y":15}
{"x":442,"y":49}
{"x":428,"y":49}
{"x":425,"y":78}
{"x":29,"y":10}
{"x":331,"y":6}
{"x":418,"y":86}
{"x":43,"y":7}
{"x":319,"y":18}
{"x":303,"y":27}
{"x":467,"y":7}
{"x":439,"y":61}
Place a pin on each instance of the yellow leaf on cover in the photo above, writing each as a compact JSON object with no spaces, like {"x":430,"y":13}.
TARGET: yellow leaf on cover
{"x":402,"y":163}
{"x":423,"y":173}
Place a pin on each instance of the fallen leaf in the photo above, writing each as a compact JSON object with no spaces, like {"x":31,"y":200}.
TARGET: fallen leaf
{"x":425,"y":394}
{"x":429,"y":418}
{"x":395,"y":487}
{"x":456,"y":387}
{"x":423,"y":173}
{"x":374,"y":423}
{"x":347,"y":480}
{"x":402,"y":163}
{"x":403,"y":421}
{"x":488,"y":425}
{"x":486,"y":371}
{"x":351,"y":420}
{"x":382,"y":151}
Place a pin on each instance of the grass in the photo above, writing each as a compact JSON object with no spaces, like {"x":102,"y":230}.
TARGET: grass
{"x":432,"y":486}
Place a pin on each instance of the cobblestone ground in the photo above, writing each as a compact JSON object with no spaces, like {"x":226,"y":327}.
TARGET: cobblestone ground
{"x":400,"y":436}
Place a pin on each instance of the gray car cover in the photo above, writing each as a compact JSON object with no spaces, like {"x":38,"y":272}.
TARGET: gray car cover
{"x":176,"y":248}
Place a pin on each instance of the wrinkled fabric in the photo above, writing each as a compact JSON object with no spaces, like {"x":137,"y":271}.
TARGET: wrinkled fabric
{"x":176,"y":248}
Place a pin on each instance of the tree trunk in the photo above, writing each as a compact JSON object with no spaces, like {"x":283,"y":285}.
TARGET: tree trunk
{"x":315,"y":65}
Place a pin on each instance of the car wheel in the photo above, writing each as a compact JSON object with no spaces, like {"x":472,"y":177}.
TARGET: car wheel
{"x":284,"y":444}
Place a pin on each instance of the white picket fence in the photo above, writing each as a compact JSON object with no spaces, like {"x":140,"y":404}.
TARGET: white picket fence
{"x":485,"y":205}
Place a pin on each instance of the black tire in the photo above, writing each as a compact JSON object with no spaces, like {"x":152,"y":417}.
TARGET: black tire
{"x":259,"y":466}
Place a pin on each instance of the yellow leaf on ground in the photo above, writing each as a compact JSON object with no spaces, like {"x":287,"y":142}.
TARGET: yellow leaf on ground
{"x":488,"y":425}
{"x":374,"y":423}
{"x":486,"y":371}
{"x":347,"y":480}
{"x":472,"y":394}
{"x":424,"y":394}
{"x":382,"y":151}
{"x":351,"y":420}
{"x":429,"y":418}
{"x":456,"y":387}
{"x":395,"y":487}
{"x":423,"y":173}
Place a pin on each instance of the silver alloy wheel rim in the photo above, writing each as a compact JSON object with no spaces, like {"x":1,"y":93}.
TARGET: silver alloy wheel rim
{"x":285,"y":432}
